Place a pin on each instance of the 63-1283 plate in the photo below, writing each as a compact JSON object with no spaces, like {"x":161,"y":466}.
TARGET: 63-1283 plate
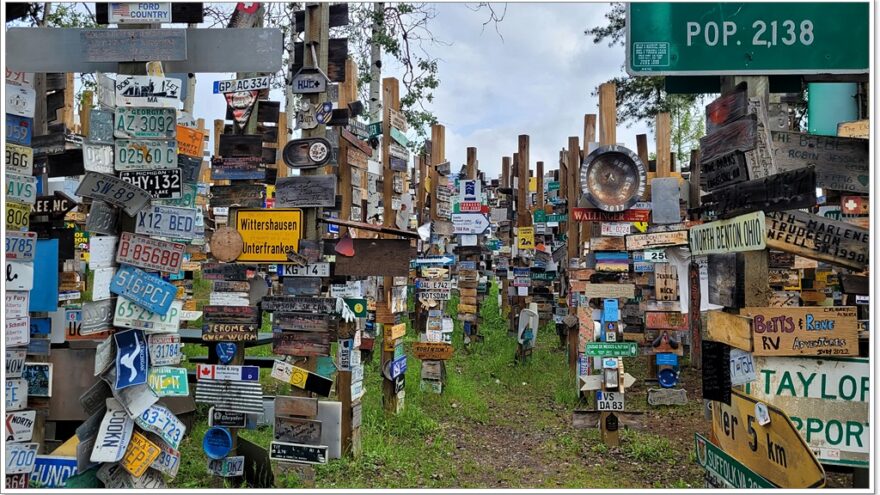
{"x":162,"y":184}
{"x":145,"y":123}
{"x":148,"y":253}
{"x":139,"y":154}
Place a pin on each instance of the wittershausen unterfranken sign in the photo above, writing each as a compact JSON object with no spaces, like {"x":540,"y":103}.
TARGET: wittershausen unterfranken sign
{"x":760,"y":38}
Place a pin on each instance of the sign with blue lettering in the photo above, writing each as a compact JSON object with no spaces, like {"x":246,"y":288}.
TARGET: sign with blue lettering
{"x":666,"y":359}
{"x":143,"y":289}
{"x":44,"y":294}
{"x":131,"y":358}
{"x":226,"y":351}
{"x":19,"y":130}
{"x":53,"y":471}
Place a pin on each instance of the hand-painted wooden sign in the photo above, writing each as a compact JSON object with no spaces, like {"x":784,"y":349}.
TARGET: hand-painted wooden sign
{"x":739,"y":135}
{"x":636,"y":242}
{"x":742,"y":233}
{"x":666,"y":320}
{"x":818,"y":238}
{"x":841,"y":163}
{"x":605,"y":291}
{"x":783,"y":191}
{"x":301,"y":343}
{"x":306,"y":191}
{"x":804,"y":331}
{"x":775,"y":450}
{"x":432,"y":350}
{"x":827,"y":399}
{"x":665,"y":282}
{"x":724,"y":469}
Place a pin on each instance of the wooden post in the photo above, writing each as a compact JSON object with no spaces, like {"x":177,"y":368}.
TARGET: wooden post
{"x":390,"y":100}
{"x":663,"y":131}
{"x":438,"y":156}
{"x":421,"y":192}
{"x":539,"y":175}
{"x":642,"y":148}
{"x":505,"y":171}
{"x":524,"y":219}
{"x":572,"y":158}
{"x":607,"y":114}
{"x":471,"y":164}
{"x":68,"y":111}
{"x":85,"y":111}
{"x":347,"y":94}
{"x":585,"y":229}
{"x":280,"y":166}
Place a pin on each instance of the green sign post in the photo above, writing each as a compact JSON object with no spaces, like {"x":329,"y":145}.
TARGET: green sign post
{"x":729,"y":471}
{"x":761,"y":38}
{"x":612,"y":349}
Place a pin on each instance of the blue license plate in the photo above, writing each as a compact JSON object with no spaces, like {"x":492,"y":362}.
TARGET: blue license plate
{"x":143,"y":289}
{"x":19,"y":130}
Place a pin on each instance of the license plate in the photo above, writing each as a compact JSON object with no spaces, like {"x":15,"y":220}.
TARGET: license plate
{"x":19,"y":159}
{"x":168,"y":461}
{"x":609,"y":401}
{"x":98,"y":158}
{"x":102,"y":219}
{"x":21,"y":245}
{"x":187,"y":198}
{"x":162,"y":184}
{"x":167,"y":221}
{"x":113,"y":190}
{"x":161,"y":421}
{"x":145,"y":123}
{"x":16,"y":394}
{"x":18,"y":216}
{"x":150,"y":254}
{"x":97,"y":317}
{"x":310,"y":270}
{"x":164,"y":349}
{"x":226,"y":467}
{"x":138,"y":154}
{"x":130,"y":315}
{"x":234,"y":85}
{"x":655,"y":255}
{"x":168,"y":382}
{"x":21,"y":101}
{"x":21,"y":188}
{"x":148,"y":291}
{"x":19,"y":130}
{"x":20,"y":457}
{"x":101,"y":126}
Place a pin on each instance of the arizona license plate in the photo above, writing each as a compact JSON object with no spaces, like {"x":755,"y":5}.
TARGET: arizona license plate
{"x":148,"y":291}
{"x":19,"y":159}
{"x":145,"y":123}
{"x":162,"y":184}
{"x":150,"y":254}
{"x":138,"y":154}
{"x":130,"y":315}
{"x":167,"y":221}
{"x":21,"y":245}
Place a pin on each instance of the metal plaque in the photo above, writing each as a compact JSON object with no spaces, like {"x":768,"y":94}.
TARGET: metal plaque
{"x":613,"y":178}
{"x":113,"y":190}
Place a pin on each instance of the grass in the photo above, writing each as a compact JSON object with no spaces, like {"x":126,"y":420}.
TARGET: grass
{"x":434,"y":442}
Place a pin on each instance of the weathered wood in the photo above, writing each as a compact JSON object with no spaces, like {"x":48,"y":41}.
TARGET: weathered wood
{"x":727,"y":108}
{"x":370,"y":227}
{"x":337,"y":50}
{"x":589,"y":289}
{"x":297,"y":430}
{"x":663,"y":130}
{"x":306,"y":191}
{"x":725,"y":278}
{"x":665,"y":282}
{"x":783,"y":191}
{"x":740,"y":135}
{"x":607,"y":114}
{"x":723,"y":171}
{"x":810,"y":331}
{"x":841,"y":163}
{"x":731,"y":329}
{"x":432,"y":350}
{"x":296,"y":406}
{"x":666,"y":320}
{"x":854,"y":284}
{"x":636,"y":242}
{"x":294,"y":343}
{"x":377,"y":257}
{"x":855,"y":129}
{"x":818,"y":238}
{"x":338,"y":17}
{"x":742,"y":233}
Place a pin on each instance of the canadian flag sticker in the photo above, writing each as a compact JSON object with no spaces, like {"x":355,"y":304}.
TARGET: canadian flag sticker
{"x":205,"y":371}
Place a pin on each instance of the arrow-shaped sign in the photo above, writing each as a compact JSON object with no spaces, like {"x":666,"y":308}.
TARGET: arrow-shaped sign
{"x":594,"y":382}
{"x":55,"y":206}
{"x":445,"y":260}
{"x":469,"y":223}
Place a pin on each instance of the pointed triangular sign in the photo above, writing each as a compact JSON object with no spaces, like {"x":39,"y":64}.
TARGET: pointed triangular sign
{"x":242,"y":104}
{"x":594,"y":382}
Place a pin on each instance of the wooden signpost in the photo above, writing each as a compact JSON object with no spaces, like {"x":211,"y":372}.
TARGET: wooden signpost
{"x":818,"y":238}
{"x":806,"y":331}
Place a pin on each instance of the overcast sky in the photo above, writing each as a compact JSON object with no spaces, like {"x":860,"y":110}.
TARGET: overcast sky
{"x":536,"y":81}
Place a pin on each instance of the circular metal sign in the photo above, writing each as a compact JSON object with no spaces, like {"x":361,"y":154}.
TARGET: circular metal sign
{"x":226,"y":244}
{"x":613,"y":178}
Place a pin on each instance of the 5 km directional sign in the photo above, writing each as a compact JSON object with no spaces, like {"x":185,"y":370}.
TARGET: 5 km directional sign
{"x":688,"y":39}
{"x":445,"y":260}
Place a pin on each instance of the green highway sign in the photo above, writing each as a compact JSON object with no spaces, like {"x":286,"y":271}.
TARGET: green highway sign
{"x":731,"y":472}
{"x":553,"y":185}
{"x":609,"y":349}
{"x":540,"y":216}
{"x":761,"y":38}
{"x":557,"y":218}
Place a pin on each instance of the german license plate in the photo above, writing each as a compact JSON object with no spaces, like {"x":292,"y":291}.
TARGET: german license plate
{"x":18,"y":216}
{"x":148,"y":291}
{"x":130,"y":315}
{"x":161,"y":421}
{"x":21,"y":245}
{"x":162,"y":184}
{"x":19,"y":130}
{"x":609,"y":401}
{"x":145,"y":123}
{"x":167,"y":221}
{"x":310,"y":270}
{"x":98,"y":158}
{"x":150,"y":254}
{"x":19,"y":159}
{"x":164,"y":348}
{"x":139,"y":154}
{"x":113,"y":190}
{"x":21,"y":188}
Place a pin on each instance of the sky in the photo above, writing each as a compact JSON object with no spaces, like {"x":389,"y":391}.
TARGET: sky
{"x":537,"y":80}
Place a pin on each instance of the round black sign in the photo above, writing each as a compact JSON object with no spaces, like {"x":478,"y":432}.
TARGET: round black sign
{"x":613,"y":178}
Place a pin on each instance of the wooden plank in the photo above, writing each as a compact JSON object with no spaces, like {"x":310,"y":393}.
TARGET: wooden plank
{"x":337,"y":50}
{"x":841,"y":163}
{"x":755,"y":278}
{"x":742,"y":233}
{"x":783,"y":191}
{"x":740,"y":135}
{"x":727,"y":108}
{"x":805,"y":331}
{"x":665,"y":282}
{"x":855,"y":129}
{"x":854,"y":284}
{"x":377,"y":257}
{"x":635,"y":242}
{"x":305,"y":191}
{"x":607,"y":114}
{"x":666,"y":320}
{"x":240,"y":145}
{"x":607,"y":244}
{"x":609,"y":291}
{"x":818,"y":238}
{"x":432,"y":350}
{"x":663,"y":130}
{"x":296,"y":406}
{"x":733,"y":330}
{"x":723,"y":171}
{"x":338,"y":17}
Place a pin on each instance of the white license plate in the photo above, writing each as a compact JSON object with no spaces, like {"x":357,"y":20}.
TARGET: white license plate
{"x":131,"y":315}
{"x":98,"y":158}
{"x":21,"y":101}
{"x":150,"y":254}
{"x":139,"y":154}
{"x":21,"y":188}
{"x":164,"y":349}
{"x":160,"y":420}
{"x":20,"y":457}
{"x":609,"y":401}
{"x":310,"y":270}
{"x":21,"y":245}
{"x":19,"y":159}
{"x":145,"y":123}
{"x":167,"y":221}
